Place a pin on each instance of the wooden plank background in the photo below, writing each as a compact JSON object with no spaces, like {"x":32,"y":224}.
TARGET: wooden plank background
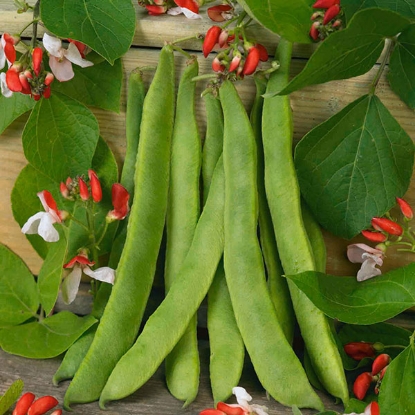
{"x":311,"y":106}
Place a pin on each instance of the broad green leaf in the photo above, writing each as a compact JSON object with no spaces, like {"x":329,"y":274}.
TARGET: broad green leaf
{"x":13,"y":107}
{"x":290,"y":19}
{"x":107,"y":27}
{"x":18,"y":295}
{"x":98,"y":86}
{"x":352,"y":166}
{"x":397,"y":392}
{"x":403,"y":7}
{"x":60,"y":137}
{"x":47,"y":338}
{"x":11,"y":395}
{"x":367,"y":302}
{"x":402,"y":67}
{"x":350,"y":52}
{"x":384,"y":333}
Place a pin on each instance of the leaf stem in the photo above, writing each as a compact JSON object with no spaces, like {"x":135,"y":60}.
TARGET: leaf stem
{"x":389,"y":46}
{"x":35,"y":21}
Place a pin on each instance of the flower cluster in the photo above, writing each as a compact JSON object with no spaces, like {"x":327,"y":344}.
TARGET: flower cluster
{"x":327,"y":20}
{"x":242,"y":408}
{"x":239,"y":55}
{"x":190,"y":8}
{"x":86,"y":191}
{"x":363,"y":382}
{"x":29,"y":405}
{"x":385,"y":231}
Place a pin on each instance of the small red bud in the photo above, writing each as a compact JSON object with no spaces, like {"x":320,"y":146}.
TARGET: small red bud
{"x":49,"y":78}
{"x":96,"y":189}
{"x":405,"y":208}
{"x":314,"y":32}
{"x":47,"y":92}
{"x":380,"y":363}
{"x":83,"y":189}
{"x":64,"y":190}
{"x":42,"y":405}
{"x":211,"y":38}
{"x":325,"y":4}
{"x":331,"y":13}
{"x":223,"y":38}
{"x":36,"y":97}
{"x":362,"y":384}
{"x":23,"y":404}
{"x":217,"y":66}
{"x":387,"y":225}
{"x":337,"y":23}
{"x":37,"y":55}
{"x":251,"y":61}
{"x":374,"y":236}
{"x":155,"y":10}
{"x":359,"y":350}
{"x":235,"y":62}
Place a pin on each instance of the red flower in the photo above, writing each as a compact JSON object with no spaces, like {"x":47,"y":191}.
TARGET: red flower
{"x":96,"y":189}
{"x":211,"y":39}
{"x":191,"y":5}
{"x":120,"y":197}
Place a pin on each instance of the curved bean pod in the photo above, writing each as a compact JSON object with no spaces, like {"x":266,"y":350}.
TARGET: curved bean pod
{"x":277,"y":285}
{"x":122,"y":316}
{"x":293,"y":245}
{"x":182,"y":364}
{"x":168,"y":323}
{"x":227,"y":349}
{"x":274,"y":361}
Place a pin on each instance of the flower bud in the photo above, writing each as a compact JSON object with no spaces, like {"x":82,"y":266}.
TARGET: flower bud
{"x":42,"y":405}
{"x":331,"y":13}
{"x":96,"y":189}
{"x":405,"y":208}
{"x":23,"y":404}
{"x":362,"y":384}
{"x":251,"y":61}
{"x":387,"y":225}
{"x":155,"y":10}
{"x":83,"y":189}
{"x":374,"y":236}
{"x":49,"y":78}
{"x":64,"y":190}
{"x":211,"y":38}
{"x":380,"y":363}
{"x":37,"y":55}
{"x":314,"y":32}
{"x":120,"y":197}
{"x":325,"y":4}
{"x":359,"y":350}
{"x":236,"y":60}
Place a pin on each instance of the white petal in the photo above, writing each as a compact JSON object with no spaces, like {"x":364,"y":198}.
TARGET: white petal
{"x":356,"y":251}
{"x":5,"y":91}
{"x":46,"y":229}
{"x":174,"y":11}
{"x":32,"y":224}
{"x":2,"y":57}
{"x":259,"y":409}
{"x":61,"y":68}
{"x":104,"y":274}
{"x":368,"y":268}
{"x":190,"y":15}
{"x":70,"y":285}
{"x":242,"y":396}
{"x":73,"y":55}
{"x":53,"y":45}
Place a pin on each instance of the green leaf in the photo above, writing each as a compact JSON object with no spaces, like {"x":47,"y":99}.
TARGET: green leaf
{"x":47,"y":338}
{"x":403,"y":7}
{"x":402,"y":67}
{"x":107,"y":27}
{"x":290,"y":19}
{"x":352,"y":166}
{"x":18,"y":295}
{"x":60,"y":137}
{"x":13,"y":107}
{"x":367,"y":302}
{"x":354,"y":405}
{"x":397,"y":392}
{"x":98,"y":86}
{"x":349,"y":52}
{"x":11,"y":395}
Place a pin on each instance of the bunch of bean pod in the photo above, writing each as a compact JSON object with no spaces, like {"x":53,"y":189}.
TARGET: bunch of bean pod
{"x":248,"y":185}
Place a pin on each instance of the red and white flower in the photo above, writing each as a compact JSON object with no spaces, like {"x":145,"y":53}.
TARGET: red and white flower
{"x":369,"y":258}
{"x":7,"y":50}
{"x":81,"y":264}
{"x":61,"y":59}
{"x":190,"y":8}
{"x":41,"y":223}
{"x":120,"y":197}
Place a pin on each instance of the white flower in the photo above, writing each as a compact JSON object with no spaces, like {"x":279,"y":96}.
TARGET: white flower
{"x":42,"y":222}
{"x":243,"y":398}
{"x":81,"y":264}
{"x":174,"y":11}
{"x":369,"y":258}
{"x":61,"y":59}
{"x":5,"y":91}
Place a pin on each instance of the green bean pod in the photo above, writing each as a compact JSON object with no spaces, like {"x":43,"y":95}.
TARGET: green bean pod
{"x":122,"y":316}
{"x":168,"y":323}
{"x":293,"y":244}
{"x":182,"y":364}
{"x":274,"y":361}
{"x":227,"y":349}
{"x":277,"y":285}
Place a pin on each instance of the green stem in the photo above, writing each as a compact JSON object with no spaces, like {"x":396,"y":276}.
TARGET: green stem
{"x":203,"y":77}
{"x":390,"y":43}
{"x":394,"y":346}
{"x":102,"y":235}
{"x":178,"y":49}
{"x":29,"y":24}
{"x":184,"y":39}
{"x":35,"y":22}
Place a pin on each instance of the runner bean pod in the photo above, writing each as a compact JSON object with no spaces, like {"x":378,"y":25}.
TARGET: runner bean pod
{"x":293,"y":244}
{"x":167,"y":324}
{"x":227,"y":349}
{"x":122,"y":316}
{"x":274,"y":361}
{"x":182,"y":364}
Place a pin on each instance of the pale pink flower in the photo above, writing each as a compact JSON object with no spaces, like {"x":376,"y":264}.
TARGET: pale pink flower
{"x":61,"y":59}
{"x":369,"y":258}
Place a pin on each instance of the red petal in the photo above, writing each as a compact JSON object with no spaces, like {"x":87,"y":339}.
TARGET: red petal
{"x":263,"y":53}
{"x":96,"y":189}
{"x":230,"y":410}
{"x":80,"y":259}
{"x":405,"y":208}
{"x":83,"y":189}
{"x":156,"y":10}
{"x":387,"y":225}
{"x":12,"y":80}
{"x":331,"y":13}
{"x":325,"y":4}
{"x":251,"y":62}
{"x":120,"y":197}
{"x":192,"y":5}
{"x":215,"y":13}
{"x":10,"y":52}
{"x":211,"y":411}
{"x":47,"y":92}
{"x":211,"y":38}
{"x":37,"y":55}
